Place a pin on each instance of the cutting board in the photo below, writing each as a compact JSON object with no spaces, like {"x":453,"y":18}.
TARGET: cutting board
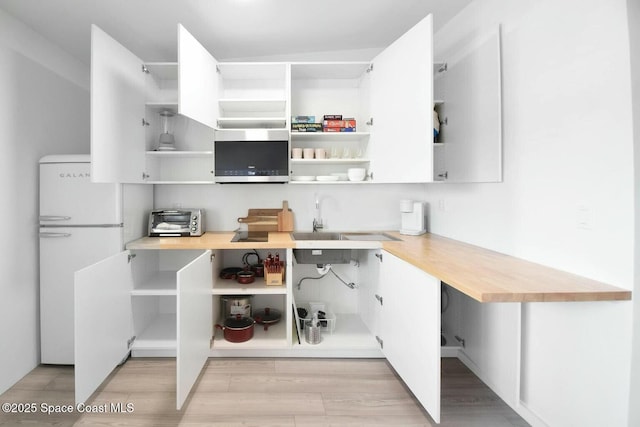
{"x":285,"y":218}
{"x":261,"y":219}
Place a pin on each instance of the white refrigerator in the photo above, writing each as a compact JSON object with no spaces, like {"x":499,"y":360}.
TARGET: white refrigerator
{"x":81,"y":223}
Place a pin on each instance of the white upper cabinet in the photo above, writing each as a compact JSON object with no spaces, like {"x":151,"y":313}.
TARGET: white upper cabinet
{"x":197,"y":80}
{"x":402,"y":108}
{"x":117,"y":111}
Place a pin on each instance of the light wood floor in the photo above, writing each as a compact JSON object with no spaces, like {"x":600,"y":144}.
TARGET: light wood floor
{"x":263,"y":393}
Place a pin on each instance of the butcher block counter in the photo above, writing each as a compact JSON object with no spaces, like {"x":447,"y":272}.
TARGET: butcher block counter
{"x":482,"y":274}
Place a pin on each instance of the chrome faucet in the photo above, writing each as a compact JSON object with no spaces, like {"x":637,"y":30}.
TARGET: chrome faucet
{"x":317,"y":221}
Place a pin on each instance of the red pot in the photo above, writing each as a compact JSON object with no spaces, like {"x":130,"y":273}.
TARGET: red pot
{"x":245,"y":277}
{"x":237,"y":329}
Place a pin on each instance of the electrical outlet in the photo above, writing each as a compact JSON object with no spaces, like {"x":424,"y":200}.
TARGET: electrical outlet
{"x":584,"y":217}
{"x":442,"y":206}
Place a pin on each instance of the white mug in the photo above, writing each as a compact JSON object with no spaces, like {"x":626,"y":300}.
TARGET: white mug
{"x":308,"y":153}
{"x":296,"y":153}
{"x":321,"y":153}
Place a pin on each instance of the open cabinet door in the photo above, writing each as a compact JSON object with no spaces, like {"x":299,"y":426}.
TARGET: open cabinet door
{"x":117,"y":111}
{"x":197,"y":80}
{"x":402,"y":108}
{"x":411,"y":328}
{"x":195,"y":323}
{"x":103,"y":324}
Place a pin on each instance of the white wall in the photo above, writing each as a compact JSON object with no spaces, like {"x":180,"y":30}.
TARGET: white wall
{"x":41,"y":113}
{"x":568,"y":153}
{"x":343,"y":207}
{"x":634,"y":37}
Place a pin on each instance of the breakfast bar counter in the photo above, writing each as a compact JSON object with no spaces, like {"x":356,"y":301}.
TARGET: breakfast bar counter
{"x":482,"y":274}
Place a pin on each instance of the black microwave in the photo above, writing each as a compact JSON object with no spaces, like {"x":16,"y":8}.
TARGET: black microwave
{"x":251,"y":155}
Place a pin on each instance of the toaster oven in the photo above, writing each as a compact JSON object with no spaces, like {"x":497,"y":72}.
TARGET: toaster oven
{"x":176,"y":222}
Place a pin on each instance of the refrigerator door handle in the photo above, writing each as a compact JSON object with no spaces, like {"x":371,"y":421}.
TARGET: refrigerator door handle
{"x":50,"y":234}
{"x":54,"y":218}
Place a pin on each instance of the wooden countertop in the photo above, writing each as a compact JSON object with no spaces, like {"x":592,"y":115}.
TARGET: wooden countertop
{"x":489,"y":276}
{"x":212,"y":240}
{"x":482,"y":274}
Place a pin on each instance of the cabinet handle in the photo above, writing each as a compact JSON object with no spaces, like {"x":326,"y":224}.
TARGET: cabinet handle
{"x":380,"y":341}
{"x":379,"y":256}
{"x":444,"y":175}
{"x":370,"y":122}
{"x":460,"y":340}
{"x":145,"y":123}
{"x":46,"y":234}
{"x":145,"y":175}
{"x":54,"y":218}
{"x":379,"y":298}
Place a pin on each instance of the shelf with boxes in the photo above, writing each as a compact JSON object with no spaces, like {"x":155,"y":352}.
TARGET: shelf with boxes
{"x":325,"y":154}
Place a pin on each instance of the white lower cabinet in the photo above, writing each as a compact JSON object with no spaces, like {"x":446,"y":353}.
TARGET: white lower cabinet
{"x":410,"y":328}
{"x":145,"y":301}
{"x":166,"y":302}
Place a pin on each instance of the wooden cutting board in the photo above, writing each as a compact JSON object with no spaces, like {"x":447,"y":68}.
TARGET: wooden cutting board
{"x":261,"y":219}
{"x":285,"y":217}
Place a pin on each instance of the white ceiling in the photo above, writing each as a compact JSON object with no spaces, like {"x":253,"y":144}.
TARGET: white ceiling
{"x":229,"y":28}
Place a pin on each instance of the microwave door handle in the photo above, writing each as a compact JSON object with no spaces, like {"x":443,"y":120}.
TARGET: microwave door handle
{"x":50,"y":234}
{"x":54,"y":218}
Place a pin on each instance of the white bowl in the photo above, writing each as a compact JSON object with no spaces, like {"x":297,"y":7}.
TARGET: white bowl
{"x":356,"y":174}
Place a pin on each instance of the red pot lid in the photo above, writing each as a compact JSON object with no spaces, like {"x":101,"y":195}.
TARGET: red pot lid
{"x":268,"y":315}
{"x":238,"y":322}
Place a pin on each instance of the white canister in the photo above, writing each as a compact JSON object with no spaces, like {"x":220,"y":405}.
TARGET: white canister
{"x":320,"y":153}
{"x":307,"y":153}
{"x":296,"y":153}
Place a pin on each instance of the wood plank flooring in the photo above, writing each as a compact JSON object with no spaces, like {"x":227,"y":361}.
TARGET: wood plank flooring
{"x":262,"y":393}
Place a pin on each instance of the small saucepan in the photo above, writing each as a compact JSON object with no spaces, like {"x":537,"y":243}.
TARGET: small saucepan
{"x":245,"y":277}
{"x":237,"y":329}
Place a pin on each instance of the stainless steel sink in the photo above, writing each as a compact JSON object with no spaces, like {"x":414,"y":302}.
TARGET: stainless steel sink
{"x":316,"y":236}
{"x":368,"y":237}
{"x":355,"y":236}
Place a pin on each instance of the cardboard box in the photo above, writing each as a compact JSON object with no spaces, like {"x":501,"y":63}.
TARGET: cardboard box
{"x":303,"y":119}
{"x":306,"y":127}
{"x":339,"y":123}
{"x":338,"y":129}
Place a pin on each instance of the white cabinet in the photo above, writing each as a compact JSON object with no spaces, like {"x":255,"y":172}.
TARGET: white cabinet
{"x":468,"y":87}
{"x":401,"y":107}
{"x":410,"y":328}
{"x":391,"y":99}
{"x":127,"y":97}
{"x":148,"y":301}
{"x":491,"y":333}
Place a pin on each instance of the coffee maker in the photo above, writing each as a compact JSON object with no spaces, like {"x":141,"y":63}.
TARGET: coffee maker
{"x":412,"y":213}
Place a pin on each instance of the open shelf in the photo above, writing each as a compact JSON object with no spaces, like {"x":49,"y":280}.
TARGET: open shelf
{"x":274,"y":337}
{"x":228,"y":287}
{"x":328,"y":161}
{"x":350,"y":333}
{"x":179,"y":154}
{"x":251,"y":122}
{"x":329,"y":136}
{"x":160,"y":334}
